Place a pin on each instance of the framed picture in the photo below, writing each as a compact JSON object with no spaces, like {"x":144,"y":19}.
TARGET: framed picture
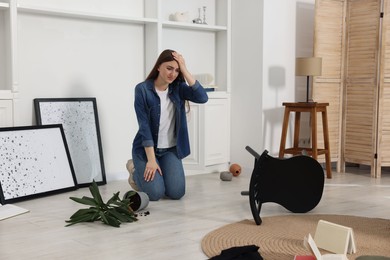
{"x":34,"y":161}
{"x":79,"y":119}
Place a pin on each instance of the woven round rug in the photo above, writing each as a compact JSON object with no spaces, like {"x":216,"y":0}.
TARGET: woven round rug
{"x":281,"y":237}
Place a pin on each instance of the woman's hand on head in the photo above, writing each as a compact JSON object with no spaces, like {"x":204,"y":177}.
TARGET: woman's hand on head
{"x":179,"y":58}
{"x":182,"y":64}
{"x":150,"y":170}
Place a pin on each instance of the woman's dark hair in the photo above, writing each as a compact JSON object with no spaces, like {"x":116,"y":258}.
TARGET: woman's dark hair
{"x":165,"y":56}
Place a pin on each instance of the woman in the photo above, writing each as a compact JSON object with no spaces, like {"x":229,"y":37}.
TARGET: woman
{"x":162,"y":138}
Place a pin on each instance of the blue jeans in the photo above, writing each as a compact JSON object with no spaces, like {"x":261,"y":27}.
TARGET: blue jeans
{"x":172,"y":181}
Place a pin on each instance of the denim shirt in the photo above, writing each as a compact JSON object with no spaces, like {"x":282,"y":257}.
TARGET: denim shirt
{"x":147,"y":108}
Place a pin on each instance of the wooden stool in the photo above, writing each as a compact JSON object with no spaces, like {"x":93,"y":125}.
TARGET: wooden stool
{"x":312,"y":108}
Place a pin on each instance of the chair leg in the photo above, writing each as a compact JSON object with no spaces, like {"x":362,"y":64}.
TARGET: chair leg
{"x":255,"y":210}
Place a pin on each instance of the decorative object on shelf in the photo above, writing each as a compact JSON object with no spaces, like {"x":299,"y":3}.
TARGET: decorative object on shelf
{"x":34,"y":162}
{"x":80,"y":121}
{"x":138,"y":200}
{"x":310,"y":66}
{"x":204,"y":15}
{"x":180,"y":17}
{"x":113,"y":213}
{"x":226,"y":176}
{"x":204,"y":78}
{"x":198,"y":20}
{"x":235,"y":169}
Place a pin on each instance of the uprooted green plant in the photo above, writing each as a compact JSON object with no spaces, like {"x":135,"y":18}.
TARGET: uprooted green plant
{"x":115,"y":212}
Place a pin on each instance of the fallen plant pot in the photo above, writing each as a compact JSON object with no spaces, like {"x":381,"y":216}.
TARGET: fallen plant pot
{"x":113,"y":213}
{"x":138,"y":200}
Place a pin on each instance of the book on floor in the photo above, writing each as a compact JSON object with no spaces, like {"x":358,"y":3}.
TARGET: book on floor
{"x":9,"y":210}
{"x":335,"y":238}
{"x":311,"y":245}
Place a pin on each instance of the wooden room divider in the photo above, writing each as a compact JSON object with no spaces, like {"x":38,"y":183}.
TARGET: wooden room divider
{"x":353,"y":39}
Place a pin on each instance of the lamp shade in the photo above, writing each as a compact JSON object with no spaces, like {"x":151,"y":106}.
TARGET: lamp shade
{"x":311,"y":66}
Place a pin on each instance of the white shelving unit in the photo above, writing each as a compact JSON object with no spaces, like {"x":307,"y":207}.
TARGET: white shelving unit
{"x":207,"y":49}
{"x":158,"y":26}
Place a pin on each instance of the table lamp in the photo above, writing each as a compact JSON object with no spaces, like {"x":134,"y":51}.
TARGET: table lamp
{"x":310,"y":66}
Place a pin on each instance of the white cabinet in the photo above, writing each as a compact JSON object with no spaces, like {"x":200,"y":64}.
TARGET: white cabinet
{"x":195,"y":161}
{"x":209,"y":130}
{"x":6,"y":112}
{"x":217,"y":131}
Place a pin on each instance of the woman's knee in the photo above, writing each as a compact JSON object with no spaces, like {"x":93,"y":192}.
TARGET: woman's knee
{"x":155,"y":189}
{"x":155,"y":195}
{"x":176,"y":193}
{"x":177,"y":196}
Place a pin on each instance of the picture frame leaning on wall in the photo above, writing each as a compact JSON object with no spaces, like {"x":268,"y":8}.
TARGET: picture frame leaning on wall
{"x":34,"y":162}
{"x":79,"y":117}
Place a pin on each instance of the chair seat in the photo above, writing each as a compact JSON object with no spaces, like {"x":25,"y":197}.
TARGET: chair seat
{"x":296,"y":183}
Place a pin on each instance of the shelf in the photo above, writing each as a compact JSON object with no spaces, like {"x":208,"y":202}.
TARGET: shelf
{"x":4,"y":6}
{"x":218,"y":94}
{"x":84,"y":15}
{"x":193,"y":26}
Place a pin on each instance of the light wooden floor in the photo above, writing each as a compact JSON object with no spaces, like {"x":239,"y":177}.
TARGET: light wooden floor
{"x":174,"y":229}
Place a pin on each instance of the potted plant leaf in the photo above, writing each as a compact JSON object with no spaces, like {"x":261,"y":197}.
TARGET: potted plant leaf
{"x":114,"y":212}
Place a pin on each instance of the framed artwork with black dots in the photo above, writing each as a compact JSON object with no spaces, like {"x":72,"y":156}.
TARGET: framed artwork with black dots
{"x":34,"y":162}
{"x":79,"y":118}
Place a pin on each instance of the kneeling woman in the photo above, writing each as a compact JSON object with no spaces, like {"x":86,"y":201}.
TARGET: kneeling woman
{"x":162,"y":138}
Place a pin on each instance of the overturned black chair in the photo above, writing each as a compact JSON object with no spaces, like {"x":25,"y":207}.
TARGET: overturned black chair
{"x":296,"y":183}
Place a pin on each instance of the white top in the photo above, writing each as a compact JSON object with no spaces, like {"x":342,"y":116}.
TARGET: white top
{"x":166,"y":134}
